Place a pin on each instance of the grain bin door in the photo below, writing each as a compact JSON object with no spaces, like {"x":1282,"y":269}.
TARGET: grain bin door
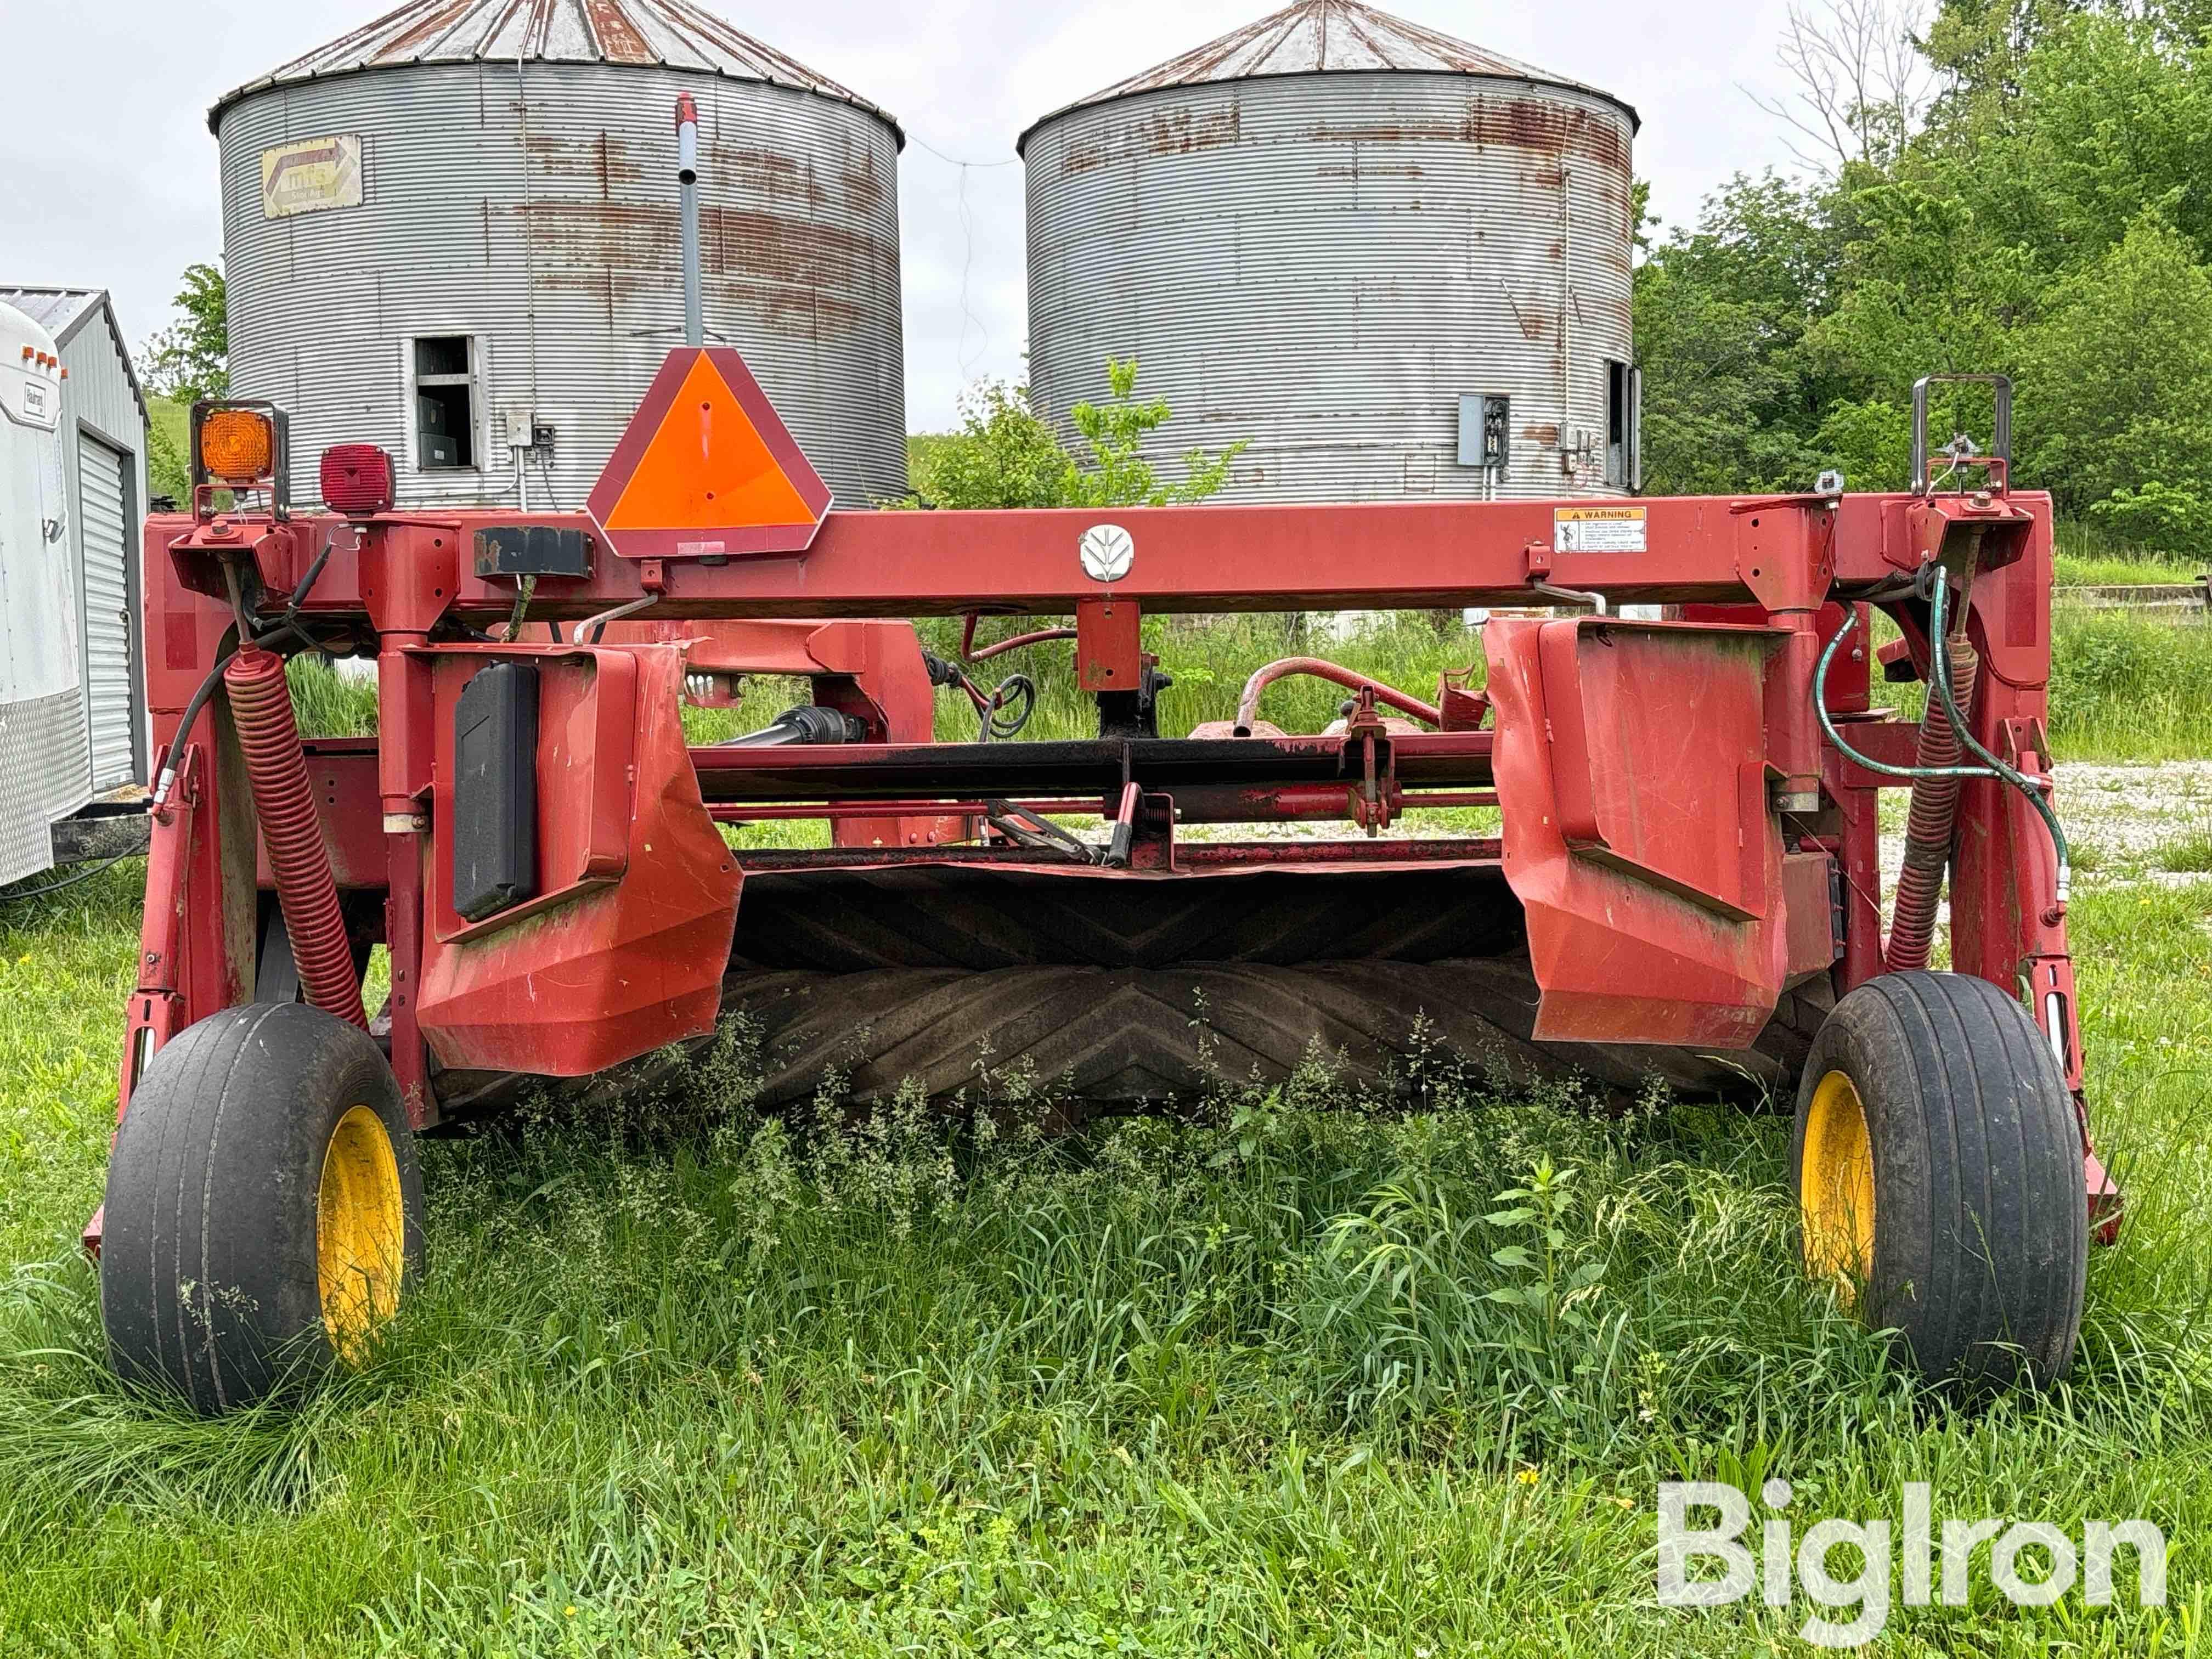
{"x":111,"y":688}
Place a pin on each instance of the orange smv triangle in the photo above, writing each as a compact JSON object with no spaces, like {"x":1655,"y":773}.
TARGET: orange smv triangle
{"x":707,"y":468}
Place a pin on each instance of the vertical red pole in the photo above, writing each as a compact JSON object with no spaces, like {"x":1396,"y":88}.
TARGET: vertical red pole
{"x":408,"y":574}
{"x":196,"y":947}
{"x":156,"y":1011}
{"x":403,"y":934}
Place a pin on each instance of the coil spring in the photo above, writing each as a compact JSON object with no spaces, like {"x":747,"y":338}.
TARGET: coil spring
{"x":1928,"y":826}
{"x":284,"y":801}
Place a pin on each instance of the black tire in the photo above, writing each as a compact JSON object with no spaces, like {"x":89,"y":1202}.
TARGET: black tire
{"x":243,"y":1155}
{"x":1979,"y":1225}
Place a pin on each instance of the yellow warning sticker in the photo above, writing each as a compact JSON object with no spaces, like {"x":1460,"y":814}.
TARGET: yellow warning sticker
{"x":1597,"y":529}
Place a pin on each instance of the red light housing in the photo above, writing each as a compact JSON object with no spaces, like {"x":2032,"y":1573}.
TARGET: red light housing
{"x":357,"y":480}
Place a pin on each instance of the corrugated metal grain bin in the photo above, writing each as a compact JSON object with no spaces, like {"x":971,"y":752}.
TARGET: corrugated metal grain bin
{"x":454,"y":234}
{"x":1398,"y":263}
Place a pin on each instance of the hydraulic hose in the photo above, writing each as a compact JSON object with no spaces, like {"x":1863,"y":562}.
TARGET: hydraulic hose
{"x":1944,"y":696}
{"x":1248,"y":706}
{"x":2011,"y":774}
{"x":261,"y":708}
{"x":288,"y":623}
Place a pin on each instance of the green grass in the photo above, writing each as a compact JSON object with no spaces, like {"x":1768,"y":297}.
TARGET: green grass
{"x":2122,"y":687}
{"x":2085,"y":555}
{"x":2189,"y":852}
{"x":2120,"y":571}
{"x":331,"y":704}
{"x":685,"y":1381}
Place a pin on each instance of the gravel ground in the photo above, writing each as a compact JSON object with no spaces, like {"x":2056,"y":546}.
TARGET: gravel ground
{"x":2127,"y":816}
{"x":2124,"y":824}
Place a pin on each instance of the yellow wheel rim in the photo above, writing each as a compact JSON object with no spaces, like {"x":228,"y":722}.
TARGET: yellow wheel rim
{"x":1835,"y":1184}
{"x":360,"y":1230}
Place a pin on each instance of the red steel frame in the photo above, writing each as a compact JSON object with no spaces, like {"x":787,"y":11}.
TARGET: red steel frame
{"x":1599,"y":741}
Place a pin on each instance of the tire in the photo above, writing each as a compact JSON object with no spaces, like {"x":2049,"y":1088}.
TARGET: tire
{"x":1937,"y":1167}
{"x":263,"y":1206}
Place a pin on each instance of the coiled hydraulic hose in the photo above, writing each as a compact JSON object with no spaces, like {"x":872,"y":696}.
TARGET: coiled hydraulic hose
{"x":283,"y":800}
{"x":1929,"y":826}
{"x":1946,"y":698}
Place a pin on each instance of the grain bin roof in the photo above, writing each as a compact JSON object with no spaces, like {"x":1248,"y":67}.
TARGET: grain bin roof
{"x":1320,"y":37}
{"x":664,"y":34}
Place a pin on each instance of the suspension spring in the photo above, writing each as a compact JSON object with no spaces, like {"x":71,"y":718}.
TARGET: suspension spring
{"x":284,"y":801}
{"x":1929,"y":826}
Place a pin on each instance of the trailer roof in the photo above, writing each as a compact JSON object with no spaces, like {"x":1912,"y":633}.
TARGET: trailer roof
{"x":63,"y":312}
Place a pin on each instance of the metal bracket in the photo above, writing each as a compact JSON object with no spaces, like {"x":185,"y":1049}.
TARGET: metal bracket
{"x":1998,"y":460}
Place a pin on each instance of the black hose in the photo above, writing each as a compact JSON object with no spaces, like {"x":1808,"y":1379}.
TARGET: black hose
{"x":82,"y":875}
{"x":289,"y":623}
{"x":1015,"y":688}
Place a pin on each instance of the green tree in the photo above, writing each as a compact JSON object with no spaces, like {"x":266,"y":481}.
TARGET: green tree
{"x":1115,"y":473}
{"x":1722,"y":310}
{"x":1710,"y":390}
{"x":1981,"y":48}
{"x":2115,"y":391}
{"x":2050,"y":217}
{"x":2109,"y":116}
{"x":168,"y":470}
{"x":1923,"y":287}
{"x":191,"y":359}
{"x":1006,"y":454}
{"x":1003,"y":455}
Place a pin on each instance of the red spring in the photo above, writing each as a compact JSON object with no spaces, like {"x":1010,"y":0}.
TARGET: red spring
{"x":261,"y":706}
{"x":1928,"y":829}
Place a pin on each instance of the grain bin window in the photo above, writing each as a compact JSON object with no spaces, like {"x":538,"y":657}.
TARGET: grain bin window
{"x":445,"y":403}
{"x":1623,"y":465}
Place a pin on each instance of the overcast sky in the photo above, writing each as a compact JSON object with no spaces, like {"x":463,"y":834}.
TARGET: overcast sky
{"x":107,"y":171}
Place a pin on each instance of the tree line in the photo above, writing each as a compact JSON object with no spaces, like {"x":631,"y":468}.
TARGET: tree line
{"x":2018,"y":186}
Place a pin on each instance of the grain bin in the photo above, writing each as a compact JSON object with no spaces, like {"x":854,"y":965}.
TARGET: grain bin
{"x":454,"y":233}
{"x":1397,"y":263}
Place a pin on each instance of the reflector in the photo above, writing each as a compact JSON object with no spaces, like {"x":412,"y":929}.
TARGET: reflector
{"x":356,"y":479}
{"x":707,"y":468}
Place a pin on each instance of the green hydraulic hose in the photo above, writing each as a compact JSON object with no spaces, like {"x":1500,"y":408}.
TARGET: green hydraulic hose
{"x":1948,"y":701}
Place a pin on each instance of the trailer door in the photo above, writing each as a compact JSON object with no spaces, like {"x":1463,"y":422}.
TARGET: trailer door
{"x":104,"y":515}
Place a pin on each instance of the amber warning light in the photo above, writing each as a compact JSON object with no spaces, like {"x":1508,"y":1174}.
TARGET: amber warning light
{"x":707,"y":469}
{"x":238,"y":446}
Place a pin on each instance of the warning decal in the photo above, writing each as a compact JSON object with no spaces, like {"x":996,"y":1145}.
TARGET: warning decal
{"x":1597,"y":530}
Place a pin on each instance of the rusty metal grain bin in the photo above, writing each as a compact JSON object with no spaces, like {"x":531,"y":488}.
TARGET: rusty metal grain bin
{"x":454,"y":234}
{"x":1336,"y":233}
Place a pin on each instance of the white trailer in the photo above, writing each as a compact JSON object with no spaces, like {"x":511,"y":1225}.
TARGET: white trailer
{"x":45,"y":754}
